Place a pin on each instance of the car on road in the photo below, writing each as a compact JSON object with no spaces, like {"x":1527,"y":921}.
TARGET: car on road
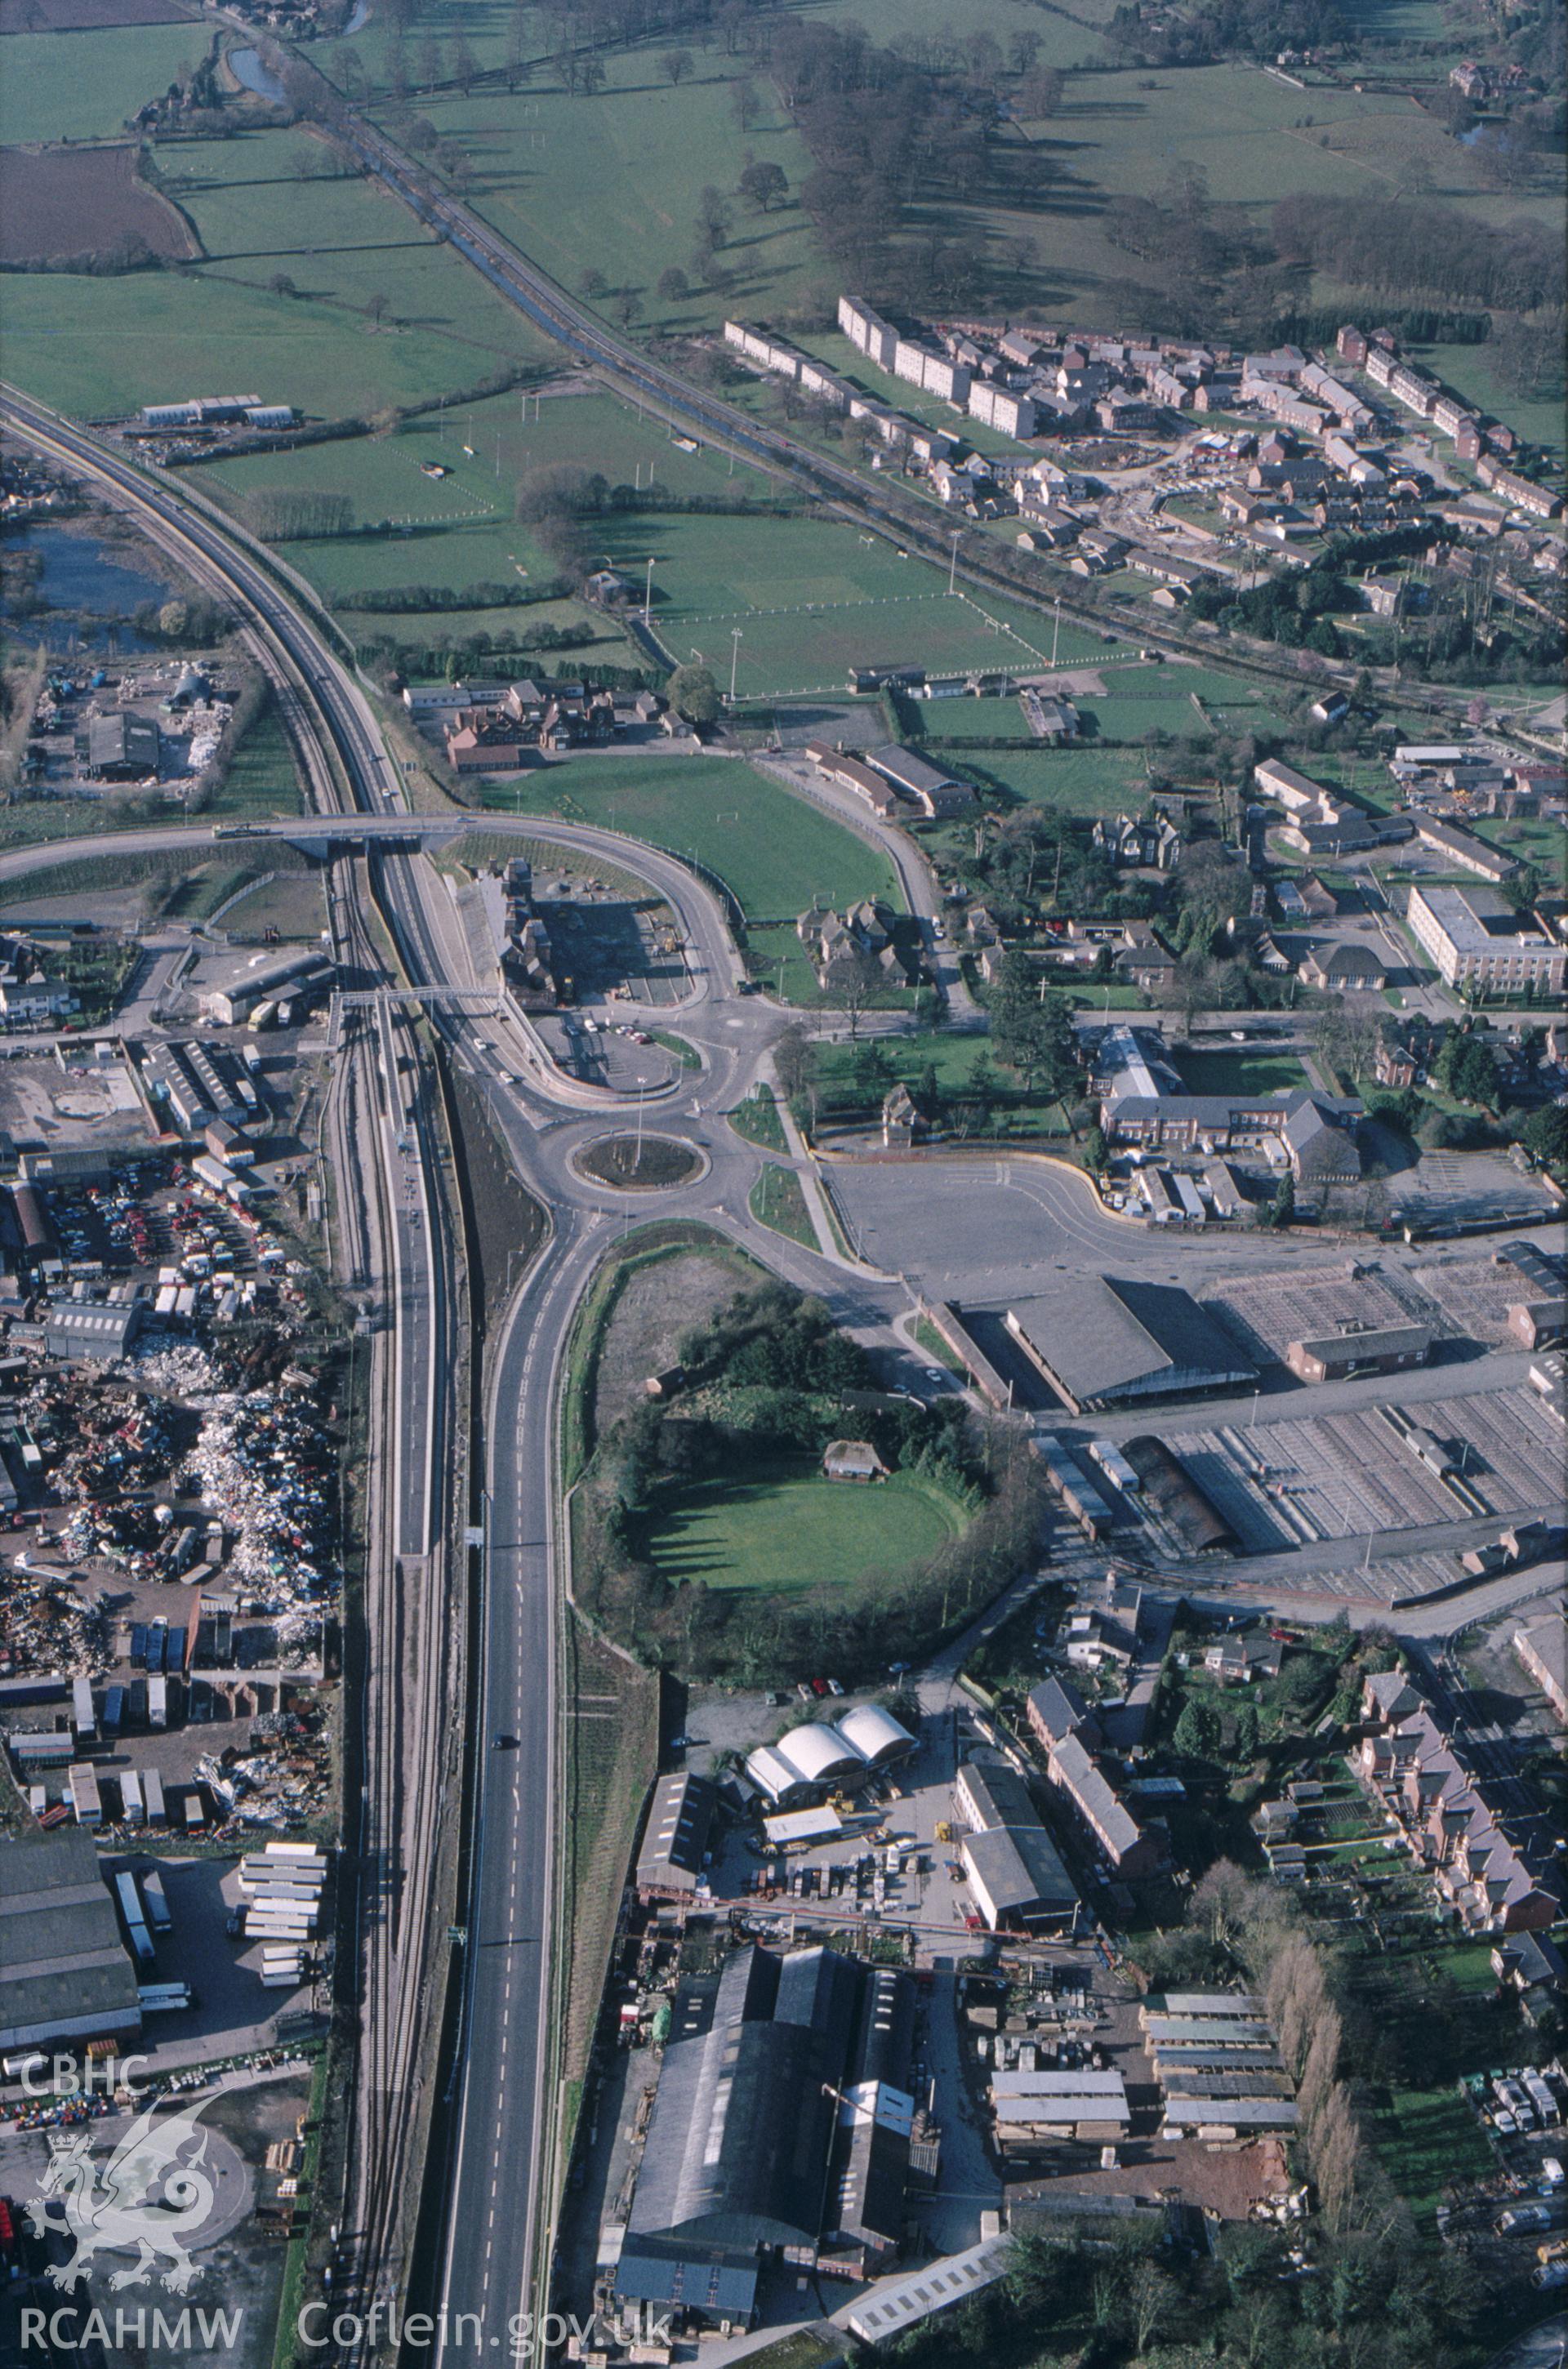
{"x":503,"y":1743}
{"x":937,"y":1377}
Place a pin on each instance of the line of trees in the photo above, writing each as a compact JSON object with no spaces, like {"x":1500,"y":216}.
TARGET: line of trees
{"x":429,"y":599}
{"x":1380,"y":243}
{"x":290,"y":514}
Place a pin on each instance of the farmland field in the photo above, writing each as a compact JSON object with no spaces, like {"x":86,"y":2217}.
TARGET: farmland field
{"x":1254,"y":138}
{"x":613,"y":182}
{"x":88,"y":15}
{"x":464,"y":531}
{"x":786,"y":1529}
{"x":68,"y":202}
{"x":83,"y":85}
{"x":144,"y":340}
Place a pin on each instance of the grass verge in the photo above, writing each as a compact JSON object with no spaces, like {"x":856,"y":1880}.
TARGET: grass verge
{"x":757,"y":1118}
{"x":777,"y":1201}
{"x":612,"y":1756}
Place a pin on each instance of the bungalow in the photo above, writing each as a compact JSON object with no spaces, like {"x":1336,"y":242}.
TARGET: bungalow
{"x":936,"y":793}
{"x":1350,"y":968}
{"x":1165,"y":570}
{"x":851,"y":1459}
{"x":850,"y":774}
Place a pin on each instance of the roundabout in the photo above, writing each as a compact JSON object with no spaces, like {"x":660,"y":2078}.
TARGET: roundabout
{"x":639,"y":1164}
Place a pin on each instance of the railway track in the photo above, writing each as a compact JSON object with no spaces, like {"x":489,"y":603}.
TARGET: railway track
{"x":392,"y":1214}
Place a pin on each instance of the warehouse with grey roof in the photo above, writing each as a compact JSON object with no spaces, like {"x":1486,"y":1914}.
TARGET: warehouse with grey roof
{"x":779,"y":2130}
{"x":1106,"y":1340}
{"x":65,"y":1971}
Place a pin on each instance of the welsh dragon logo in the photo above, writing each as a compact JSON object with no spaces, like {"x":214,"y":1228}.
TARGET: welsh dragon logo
{"x":149,"y":2197}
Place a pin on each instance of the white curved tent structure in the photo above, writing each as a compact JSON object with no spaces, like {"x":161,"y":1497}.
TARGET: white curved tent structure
{"x":819,"y":1754}
{"x":875,"y":1735}
{"x":773,"y":1775}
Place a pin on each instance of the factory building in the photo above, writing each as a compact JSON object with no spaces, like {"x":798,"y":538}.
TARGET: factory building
{"x":90,"y":1333}
{"x":261,"y":981}
{"x":1103,"y":1341}
{"x":65,"y":1973}
{"x":675,"y":1839}
{"x":817,"y":1755}
{"x":780,"y":2133}
{"x":1014,"y":1870}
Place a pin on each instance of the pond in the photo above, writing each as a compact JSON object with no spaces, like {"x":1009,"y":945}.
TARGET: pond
{"x":79,"y":573}
{"x":248,"y":71}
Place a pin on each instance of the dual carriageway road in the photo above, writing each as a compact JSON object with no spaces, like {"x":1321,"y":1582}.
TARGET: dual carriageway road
{"x":393,"y":1223}
{"x":395,"y":1246}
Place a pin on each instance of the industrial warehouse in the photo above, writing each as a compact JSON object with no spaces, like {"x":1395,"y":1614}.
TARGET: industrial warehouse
{"x":779,"y":2132}
{"x":65,"y":1974}
{"x":1103,"y":1341}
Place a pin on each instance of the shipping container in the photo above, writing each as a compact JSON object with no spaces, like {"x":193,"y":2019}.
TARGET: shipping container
{"x":136,"y":1931}
{"x":130,"y":1796}
{"x":165,"y":1999}
{"x":158,"y":1698}
{"x":194,"y":1817}
{"x":153,"y":1788}
{"x":156,"y":1900}
{"x":85,"y":1800}
{"x":82,"y":1716}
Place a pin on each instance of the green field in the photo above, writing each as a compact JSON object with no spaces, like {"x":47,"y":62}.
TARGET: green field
{"x":1251,"y":1074}
{"x":613,"y":182}
{"x":1471,"y":371}
{"x":949,"y":1059}
{"x":772,"y":851}
{"x":100,"y":348}
{"x":1076,"y":780}
{"x":262,"y":778}
{"x":812,"y":599}
{"x":1428,"y":2139}
{"x":757,"y":1118}
{"x":84,"y":86}
{"x":786,"y":1529}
